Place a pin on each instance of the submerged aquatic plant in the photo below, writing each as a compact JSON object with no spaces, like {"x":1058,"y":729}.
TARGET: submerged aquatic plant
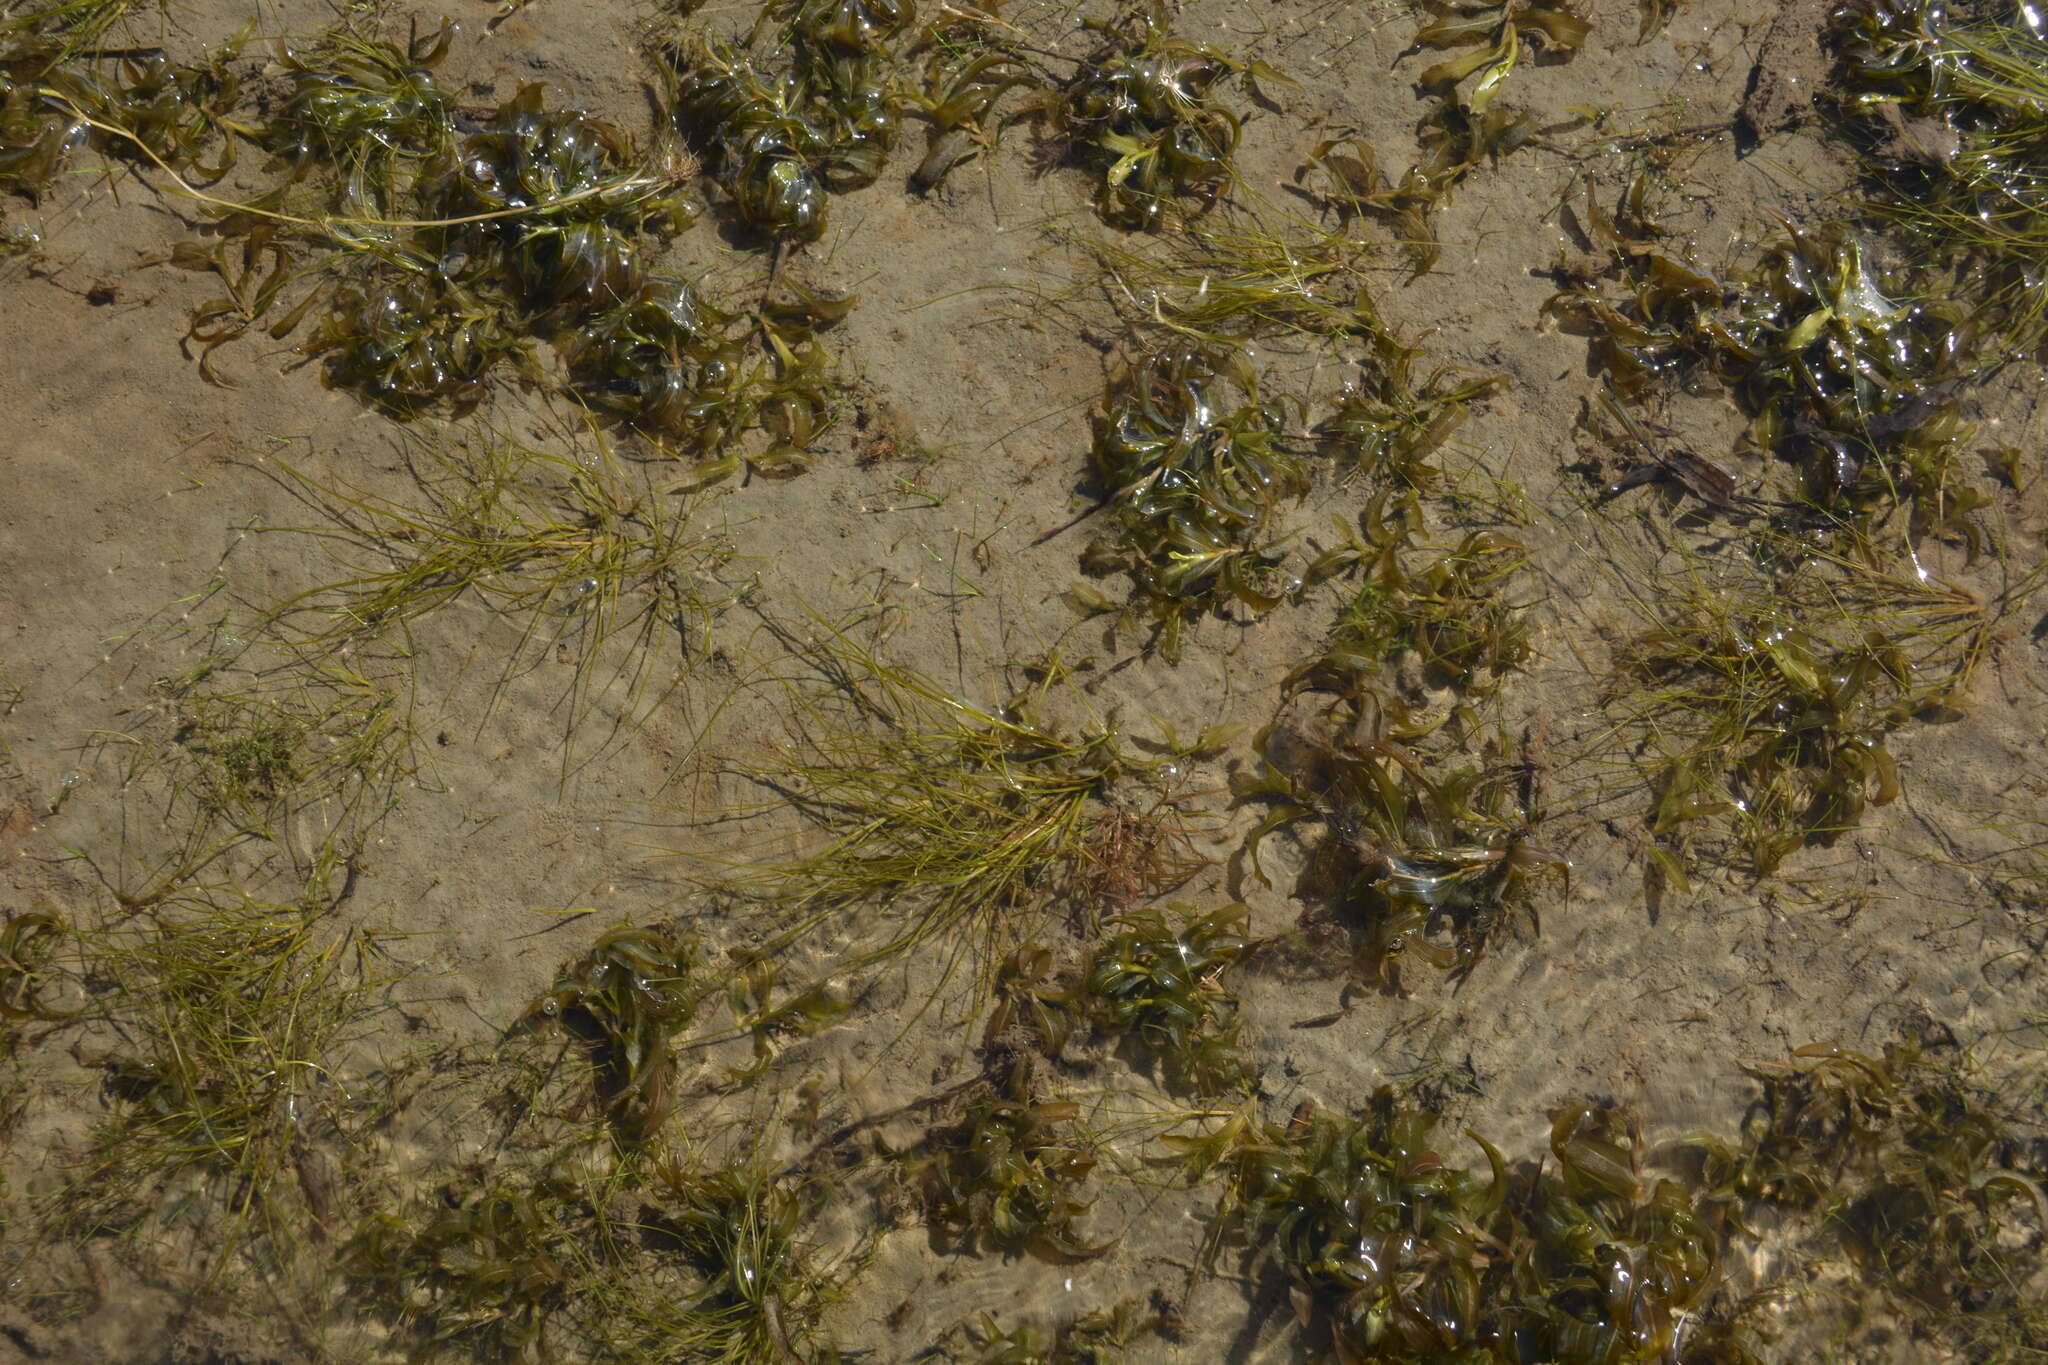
{"x":1422,"y":865}
{"x":1143,"y":106}
{"x":951,"y":819}
{"x":1397,"y":1255}
{"x":579,"y":550}
{"x":1160,"y":982}
{"x":1766,"y":705}
{"x":782,"y":133}
{"x":632,"y":993}
{"x":1005,"y":1173}
{"x":1449,"y":608}
{"x":1851,"y":385}
{"x":1918,"y":1183}
{"x":483,"y":1273}
{"x":1194,"y":484}
{"x":762,"y":1287}
{"x":1948,"y":109}
{"x":240,"y":1012}
{"x":56,"y":98}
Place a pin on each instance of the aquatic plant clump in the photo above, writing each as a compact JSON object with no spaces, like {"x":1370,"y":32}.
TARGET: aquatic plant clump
{"x":1948,"y":108}
{"x":1852,"y":386}
{"x":1396,"y":1255}
{"x":1143,"y":107}
{"x":951,"y":818}
{"x":1450,"y":608}
{"x":1923,"y":1189}
{"x":1160,"y":982}
{"x":54,"y":100}
{"x":782,"y":134}
{"x":633,"y":992}
{"x":1005,"y":1174}
{"x":1193,"y":484}
{"x":1767,"y":707}
{"x":1418,"y":866}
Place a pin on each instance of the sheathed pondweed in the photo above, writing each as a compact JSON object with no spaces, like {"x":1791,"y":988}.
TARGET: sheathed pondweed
{"x":578,"y":548}
{"x":27,"y":940}
{"x":949,"y":818}
{"x":233,"y":1018}
{"x":632,"y":993}
{"x":1193,"y":483}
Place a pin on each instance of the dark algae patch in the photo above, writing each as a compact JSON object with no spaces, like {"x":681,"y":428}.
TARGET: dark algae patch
{"x":886,"y":680}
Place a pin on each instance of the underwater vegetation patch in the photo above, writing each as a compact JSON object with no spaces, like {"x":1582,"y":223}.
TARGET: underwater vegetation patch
{"x":432,"y":249}
{"x":1947,"y":107}
{"x":1850,"y":384}
{"x":1157,"y":983}
{"x":578,"y":548}
{"x":814,"y":107}
{"x":631,"y":994}
{"x":1395,"y":1254}
{"x":1143,"y":107}
{"x":1449,"y":608}
{"x":1005,"y":1175}
{"x":1420,"y":860}
{"x":1761,"y":705}
{"x":56,"y":99}
{"x":1194,"y":463}
{"x":595,"y":1260}
{"x":1915,"y":1181}
{"x":220,"y":1026}
{"x":957,"y":820}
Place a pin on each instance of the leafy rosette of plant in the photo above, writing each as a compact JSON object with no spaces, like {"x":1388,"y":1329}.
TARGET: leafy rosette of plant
{"x":1161,"y":983}
{"x":1193,"y":484}
{"x":1852,"y":384}
{"x":1948,"y":108}
{"x":1143,"y":106}
{"x":485,"y":1271}
{"x":1421,"y":865}
{"x":629,"y":995}
{"x":1613,"y":1267}
{"x":1006,"y":1173}
{"x":412,"y":336}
